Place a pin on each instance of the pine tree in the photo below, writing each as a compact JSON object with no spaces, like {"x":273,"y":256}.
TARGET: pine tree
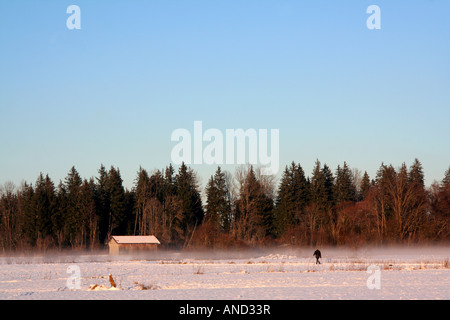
{"x":9,"y":214}
{"x":142,"y":194}
{"x":157,"y":186}
{"x":169,"y":181}
{"x":321,"y":187}
{"x":285,"y":203}
{"x":129,"y":207}
{"x":416,"y":175}
{"x":365,"y":186}
{"x":211,"y":214}
{"x":317,"y":186}
{"x":329,"y":186}
{"x":301,"y":189}
{"x":90,"y":229}
{"x":27,"y":214}
{"x":187,"y":192}
{"x":103,"y":204}
{"x":171,"y":208}
{"x":218,"y":206}
{"x":44,"y":203}
{"x":72,"y":217}
{"x":117,"y":205}
{"x":446,"y":180}
{"x":58,"y":223}
{"x":345,"y":189}
{"x":292,"y":198}
{"x":225,"y":197}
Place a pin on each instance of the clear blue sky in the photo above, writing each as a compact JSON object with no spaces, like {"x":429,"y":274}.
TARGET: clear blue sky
{"x":113,"y":92}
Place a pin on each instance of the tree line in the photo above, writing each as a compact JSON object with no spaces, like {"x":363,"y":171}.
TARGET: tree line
{"x":344,"y":207}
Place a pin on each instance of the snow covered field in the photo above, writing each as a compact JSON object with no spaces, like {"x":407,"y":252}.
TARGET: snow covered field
{"x":421,"y":273}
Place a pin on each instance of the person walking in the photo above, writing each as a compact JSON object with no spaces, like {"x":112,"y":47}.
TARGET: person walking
{"x":318,"y":255}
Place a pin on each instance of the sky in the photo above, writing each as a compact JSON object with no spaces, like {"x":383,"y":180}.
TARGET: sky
{"x":113,"y":91}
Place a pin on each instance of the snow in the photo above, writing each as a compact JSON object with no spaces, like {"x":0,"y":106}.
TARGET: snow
{"x":414,"y":273}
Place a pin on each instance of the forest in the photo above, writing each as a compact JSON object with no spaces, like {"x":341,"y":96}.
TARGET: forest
{"x":243,"y":209}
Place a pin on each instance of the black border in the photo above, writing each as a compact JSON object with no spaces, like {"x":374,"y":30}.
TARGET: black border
{"x":170,"y":309}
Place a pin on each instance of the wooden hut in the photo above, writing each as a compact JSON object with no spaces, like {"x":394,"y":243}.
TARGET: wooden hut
{"x":123,"y":244}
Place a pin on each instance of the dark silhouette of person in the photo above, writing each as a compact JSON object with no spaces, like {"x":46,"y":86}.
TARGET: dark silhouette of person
{"x":318,"y":255}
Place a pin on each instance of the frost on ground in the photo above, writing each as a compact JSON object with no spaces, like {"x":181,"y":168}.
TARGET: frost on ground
{"x":289,"y":274}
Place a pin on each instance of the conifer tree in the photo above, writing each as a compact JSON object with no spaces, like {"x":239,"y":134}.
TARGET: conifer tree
{"x":172,"y":211}
{"x":90,"y":219}
{"x":71,"y":218}
{"x":285,"y":203}
{"x":446,"y":180}
{"x":218,"y":206}
{"x":157,"y":186}
{"x":317,"y":186}
{"x":117,"y":205}
{"x":191,"y":203}
{"x":44,"y":203}
{"x":142,"y":194}
{"x":321,"y":187}
{"x":328,"y":186}
{"x":58,"y":223}
{"x":169,"y":181}
{"x":292,"y":198}
{"x":9,"y":216}
{"x":365,"y":186}
{"x":103,"y":204}
{"x":345,"y":189}
{"x":416,"y":175}
{"x":211,"y":214}
{"x":27,"y":213}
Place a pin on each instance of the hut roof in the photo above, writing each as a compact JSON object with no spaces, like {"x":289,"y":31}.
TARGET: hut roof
{"x":136,"y":239}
